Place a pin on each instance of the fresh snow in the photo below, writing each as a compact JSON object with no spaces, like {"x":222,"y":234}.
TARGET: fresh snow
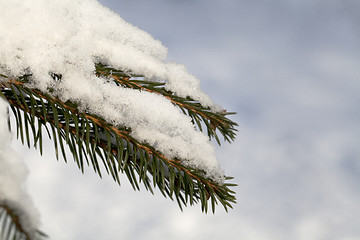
{"x":67,"y":36}
{"x":13,"y":173}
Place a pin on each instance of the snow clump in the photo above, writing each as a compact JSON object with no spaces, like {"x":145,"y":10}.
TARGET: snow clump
{"x":67,"y":36}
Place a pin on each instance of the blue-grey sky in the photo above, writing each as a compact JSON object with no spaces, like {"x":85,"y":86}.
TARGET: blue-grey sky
{"x":290,"y":69}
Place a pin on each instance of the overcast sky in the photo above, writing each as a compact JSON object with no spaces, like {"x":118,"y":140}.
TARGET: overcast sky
{"x":290,"y":69}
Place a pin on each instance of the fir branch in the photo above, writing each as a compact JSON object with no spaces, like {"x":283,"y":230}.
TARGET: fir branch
{"x":11,"y":227}
{"x":89,"y":137}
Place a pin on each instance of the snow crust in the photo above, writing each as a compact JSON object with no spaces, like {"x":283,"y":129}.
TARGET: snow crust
{"x":67,"y":36}
{"x":13,"y":173}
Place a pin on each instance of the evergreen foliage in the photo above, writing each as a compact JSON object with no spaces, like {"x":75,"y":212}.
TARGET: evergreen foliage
{"x":11,"y":228}
{"x":94,"y":142}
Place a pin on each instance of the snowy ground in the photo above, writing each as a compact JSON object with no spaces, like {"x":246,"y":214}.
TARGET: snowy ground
{"x":290,"y":70}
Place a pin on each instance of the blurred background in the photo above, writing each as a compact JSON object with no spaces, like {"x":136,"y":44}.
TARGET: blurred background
{"x":290,"y":69}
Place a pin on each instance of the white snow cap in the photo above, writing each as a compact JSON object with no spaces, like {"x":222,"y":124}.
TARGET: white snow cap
{"x":66,"y":37}
{"x":13,"y":173}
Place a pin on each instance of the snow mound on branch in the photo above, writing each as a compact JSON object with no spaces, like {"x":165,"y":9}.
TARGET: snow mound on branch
{"x":13,"y":173}
{"x":67,"y":36}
